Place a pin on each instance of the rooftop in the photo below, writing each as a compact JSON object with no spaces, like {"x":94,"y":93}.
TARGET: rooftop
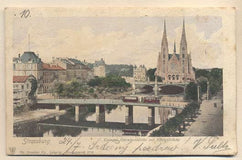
{"x":46,"y":66}
{"x":29,"y":56}
{"x":171,"y":54}
{"x":20,"y":79}
{"x":99,"y":63}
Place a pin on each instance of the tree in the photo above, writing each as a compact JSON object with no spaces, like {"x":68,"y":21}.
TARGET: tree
{"x":33,"y":82}
{"x":203,"y":85}
{"x":151,"y":74}
{"x":191,"y":91}
{"x":201,"y":72}
{"x":174,"y":124}
{"x":95,"y":82}
{"x":59,"y":88}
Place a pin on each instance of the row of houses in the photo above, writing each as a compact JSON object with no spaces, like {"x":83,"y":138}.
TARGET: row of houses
{"x":29,"y":65}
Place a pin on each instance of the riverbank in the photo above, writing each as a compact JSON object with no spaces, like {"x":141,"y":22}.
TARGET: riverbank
{"x":36,"y":115}
{"x":210,"y":120}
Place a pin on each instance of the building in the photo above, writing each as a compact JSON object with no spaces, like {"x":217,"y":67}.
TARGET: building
{"x":99,"y":68}
{"x":51,"y":74}
{"x":21,"y":89}
{"x":128,"y":79}
{"x":75,"y":69}
{"x":29,"y":64}
{"x":175,"y":67}
{"x":139,"y":73}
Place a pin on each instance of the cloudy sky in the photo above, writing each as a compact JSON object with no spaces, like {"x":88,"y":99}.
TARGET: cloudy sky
{"x":119,"y":40}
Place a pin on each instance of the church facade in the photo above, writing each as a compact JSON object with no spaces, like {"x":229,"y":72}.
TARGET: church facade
{"x":175,"y":67}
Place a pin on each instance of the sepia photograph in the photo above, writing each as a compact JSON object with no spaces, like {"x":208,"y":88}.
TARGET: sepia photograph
{"x":135,"y":76}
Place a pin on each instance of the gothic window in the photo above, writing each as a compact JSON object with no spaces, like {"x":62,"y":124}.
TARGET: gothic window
{"x":173,"y":77}
{"x":183,"y":56}
{"x":177,"y":77}
{"x":169,"y":77}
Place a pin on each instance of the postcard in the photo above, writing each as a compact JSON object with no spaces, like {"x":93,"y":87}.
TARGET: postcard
{"x":120,"y":81}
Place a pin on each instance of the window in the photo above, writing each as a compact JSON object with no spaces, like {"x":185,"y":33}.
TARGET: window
{"x":177,"y":77}
{"x":22,"y":86}
{"x":27,"y":86}
{"x":169,"y":77}
{"x":173,"y":77}
{"x":164,"y":56}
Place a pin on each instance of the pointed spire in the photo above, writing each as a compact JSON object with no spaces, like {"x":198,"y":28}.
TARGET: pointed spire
{"x":164,"y":38}
{"x":174,"y":46}
{"x":183,"y":43}
{"x":164,"y":26}
{"x":183,"y":23}
{"x":183,"y":31}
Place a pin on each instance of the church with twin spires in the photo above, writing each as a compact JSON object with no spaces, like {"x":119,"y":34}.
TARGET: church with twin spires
{"x":175,"y":67}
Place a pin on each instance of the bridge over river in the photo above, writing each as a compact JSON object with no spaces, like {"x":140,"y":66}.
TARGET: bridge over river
{"x":100,"y":107}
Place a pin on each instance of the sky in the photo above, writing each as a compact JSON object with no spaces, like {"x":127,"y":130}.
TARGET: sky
{"x":119,"y":40}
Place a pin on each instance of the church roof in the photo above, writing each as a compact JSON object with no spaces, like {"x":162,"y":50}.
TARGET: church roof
{"x":170,"y":55}
{"x":30,"y":56}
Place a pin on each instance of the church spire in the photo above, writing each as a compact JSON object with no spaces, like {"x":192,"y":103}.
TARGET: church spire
{"x":183,"y":43}
{"x":183,"y":38}
{"x":164,"y":38}
{"x":174,"y":47}
{"x":163,"y":55}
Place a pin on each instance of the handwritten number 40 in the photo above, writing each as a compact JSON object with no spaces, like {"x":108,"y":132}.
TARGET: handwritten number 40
{"x":25,"y":13}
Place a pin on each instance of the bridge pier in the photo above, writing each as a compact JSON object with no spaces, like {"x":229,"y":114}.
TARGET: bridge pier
{"x":77,"y":109}
{"x":156,"y":87}
{"x":57,"y":118}
{"x":207,"y":90}
{"x":151,"y":116}
{"x":128,"y":114}
{"x":100,"y":113}
{"x":57,"y":107}
{"x":198,"y":93}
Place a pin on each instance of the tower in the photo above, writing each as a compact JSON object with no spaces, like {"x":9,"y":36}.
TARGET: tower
{"x":163,"y":55}
{"x":183,"y":51}
{"x":174,"y":50}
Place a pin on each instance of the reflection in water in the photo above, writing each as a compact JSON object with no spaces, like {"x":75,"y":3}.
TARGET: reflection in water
{"x":66,"y":125}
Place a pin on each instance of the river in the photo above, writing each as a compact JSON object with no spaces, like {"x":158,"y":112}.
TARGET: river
{"x":66,"y":125}
{"x":114,"y":124}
